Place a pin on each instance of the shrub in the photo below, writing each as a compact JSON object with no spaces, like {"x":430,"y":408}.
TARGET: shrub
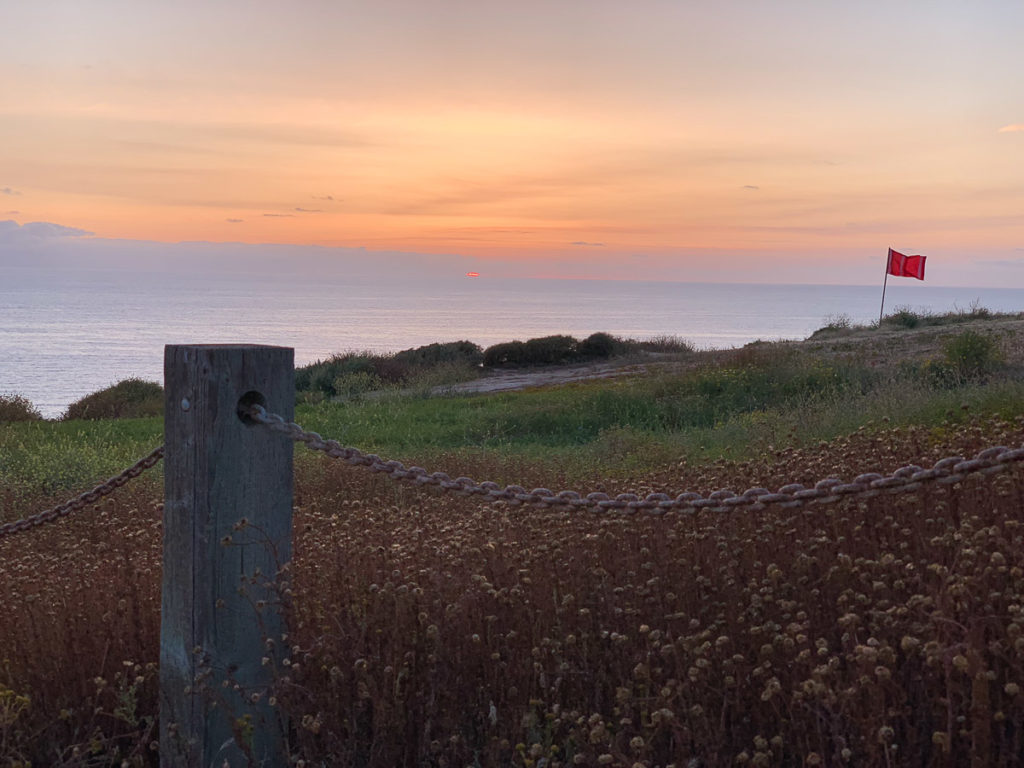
{"x":506,"y":353}
{"x":309,"y":377}
{"x":389,"y":369}
{"x":323,"y":375}
{"x":17,"y":408}
{"x":319,"y":379}
{"x":356,"y":372}
{"x":838,"y":324}
{"x":548,"y":350}
{"x":599,"y":345}
{"x":667,"y":344}
{"x":128,"y":399}
{"x":904,"y":317}
{"x":972,"y":354}
{"x":940,"y":373}
{"x":437,"y":354}
{"x":979,"y":312}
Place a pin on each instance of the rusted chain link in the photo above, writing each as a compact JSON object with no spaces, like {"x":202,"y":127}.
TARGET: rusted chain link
{"x":951,"y":469}
{"x":86,"y":499}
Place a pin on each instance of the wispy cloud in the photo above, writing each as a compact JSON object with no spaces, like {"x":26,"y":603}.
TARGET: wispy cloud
{"x":460,"y":195}
{"x":279,"y":215}
{"x":234,"y":221}
{"x":584,"y":242}
{"x":750,"y":186}
{"x":177,"y":135}
{"x":309,"y":210}
{"x":1012,"y":128}
{"x":1015,"y":263}
{"x":11,"y":213}
{"x":324,"y":197}
{"x":12,"y":232}
{"x":9,"y":191}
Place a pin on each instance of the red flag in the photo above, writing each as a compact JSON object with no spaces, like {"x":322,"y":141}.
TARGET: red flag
{"x":906,"y":266}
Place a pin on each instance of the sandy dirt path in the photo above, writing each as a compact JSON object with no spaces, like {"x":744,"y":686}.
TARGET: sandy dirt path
{"x":525,"y":378}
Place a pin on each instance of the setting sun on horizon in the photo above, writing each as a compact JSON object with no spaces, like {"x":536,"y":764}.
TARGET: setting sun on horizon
{"x":579,"y":139}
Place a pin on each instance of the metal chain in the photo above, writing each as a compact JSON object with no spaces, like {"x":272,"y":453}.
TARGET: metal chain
{"x":951,"y":469}
{"x":86,"y":499}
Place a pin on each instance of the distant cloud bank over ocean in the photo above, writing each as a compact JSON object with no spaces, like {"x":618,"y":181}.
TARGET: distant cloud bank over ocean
{"x":70,"y":329}
{"x":56,"y":247}
{"x":59,"y":247}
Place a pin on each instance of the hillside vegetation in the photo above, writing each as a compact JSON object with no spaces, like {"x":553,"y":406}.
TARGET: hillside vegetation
{"x":436,"y":630}
{"x":422,"y":369}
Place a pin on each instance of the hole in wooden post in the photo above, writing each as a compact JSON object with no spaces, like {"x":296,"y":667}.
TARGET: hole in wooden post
{"x":250,"y":398}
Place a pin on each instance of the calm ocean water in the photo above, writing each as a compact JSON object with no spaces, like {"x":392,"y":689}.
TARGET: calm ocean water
{"x":66,"y":334}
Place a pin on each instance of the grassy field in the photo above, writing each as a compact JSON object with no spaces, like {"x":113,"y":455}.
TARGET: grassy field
{"x":730,"y":404}
{"x":432,"y":630}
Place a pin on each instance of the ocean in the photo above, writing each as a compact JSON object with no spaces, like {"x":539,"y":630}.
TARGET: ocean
{"x":64,"y":334}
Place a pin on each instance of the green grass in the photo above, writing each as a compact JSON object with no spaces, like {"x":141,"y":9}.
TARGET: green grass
{"x":616,"y":426}
{"x":775,"y":396}
{"x":578,"y":414}
{"x":52,"y":459}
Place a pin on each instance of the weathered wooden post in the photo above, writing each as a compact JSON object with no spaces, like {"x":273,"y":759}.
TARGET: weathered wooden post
{"x":218,"y":613}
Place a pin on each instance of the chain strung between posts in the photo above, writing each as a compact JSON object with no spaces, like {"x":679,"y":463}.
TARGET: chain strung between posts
{"x":951,"y":469}
{"x":86,"y":499}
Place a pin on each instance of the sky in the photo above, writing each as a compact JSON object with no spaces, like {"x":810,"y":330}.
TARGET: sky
{"x":742,"y":141}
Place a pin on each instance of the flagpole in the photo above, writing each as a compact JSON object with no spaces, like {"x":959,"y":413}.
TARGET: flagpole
{"x":888,"y":260}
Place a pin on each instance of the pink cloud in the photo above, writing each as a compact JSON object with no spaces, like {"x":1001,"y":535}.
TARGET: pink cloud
{"x":1012,"y":128}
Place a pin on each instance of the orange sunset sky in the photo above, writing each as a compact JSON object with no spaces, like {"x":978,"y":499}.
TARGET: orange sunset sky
{"x":656,"y":140}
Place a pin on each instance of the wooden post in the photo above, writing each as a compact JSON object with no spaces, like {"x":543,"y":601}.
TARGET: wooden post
{"x":219,"y":619}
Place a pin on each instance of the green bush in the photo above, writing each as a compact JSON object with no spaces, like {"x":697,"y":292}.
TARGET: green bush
{"x":318,"y":379}
{"x":939,"y":373}
{"x":506,"y":353}
{"x":308,"y":378}
{"x":323,"y":375}
{"x":972,"y":354}
{"x":128,"y":399}
{"x":904,"y":317}
{"x":549,"y":350}
{"x":978,"y":312}
{"x":599,"y":345}
{"x":835,"y":325}
{"x":17,"y":408}
{"x":546,"y":350}
{"x":356,"y":372}
{"x":438,"y":354}
{"x":665,"y":344}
